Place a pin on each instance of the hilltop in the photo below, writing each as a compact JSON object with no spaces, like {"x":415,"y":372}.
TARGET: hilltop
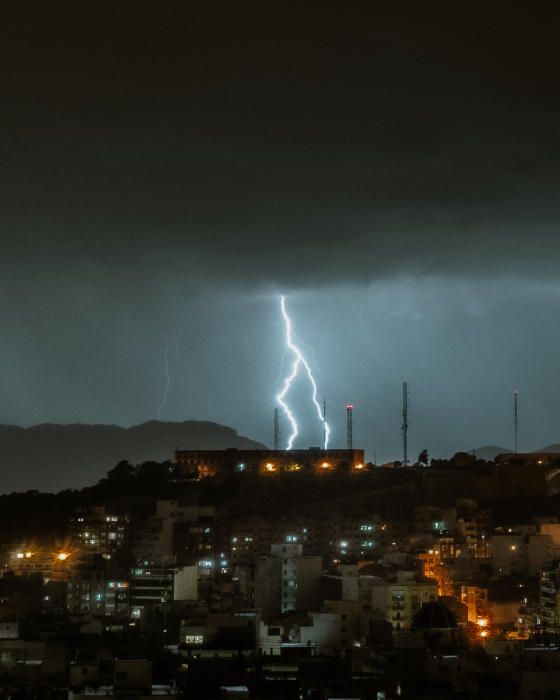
{"x":488,"y":452}
{"x":51,"y":457}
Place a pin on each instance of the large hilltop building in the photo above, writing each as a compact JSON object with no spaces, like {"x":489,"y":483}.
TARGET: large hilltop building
{"x":203,"y":463}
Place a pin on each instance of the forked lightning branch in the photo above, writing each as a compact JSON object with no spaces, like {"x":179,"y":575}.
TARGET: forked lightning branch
{"x":299,"y":364}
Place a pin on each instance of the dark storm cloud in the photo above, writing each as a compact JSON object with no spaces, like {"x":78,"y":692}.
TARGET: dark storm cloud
{"x":281,"y":145}
{"x":350,"y":214}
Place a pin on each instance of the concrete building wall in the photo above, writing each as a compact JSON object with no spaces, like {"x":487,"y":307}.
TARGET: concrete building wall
{"x":323,"y":633}
{"x":95,"y":531}
{"x":504,"y":612}
{"x":9,"y":630}
{"x":350,"y":613}
{"x":549,"y":603}
{"x":330,"y":537}
{"x":82,"y":674}
{"x":15,"y":651}
{"x":133,"y":674}
{"x":204,"y":463}
{"x":153,"y":542}
{"x":287,"y":580}
{"x":308,"y":583}
{"x":399,"y":602}
{"x":349,"y":588}
{"x":521,"y":553}
{"x":89,"y":591}
{"x":185,"y":583}
{"x":552,"y":529}
{"x":540,"y":552}
{"x":269,"y":638}
{"x":268,"y":586}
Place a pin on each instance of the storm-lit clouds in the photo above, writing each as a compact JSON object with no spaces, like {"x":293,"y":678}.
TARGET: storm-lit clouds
{"x":462,"y":345}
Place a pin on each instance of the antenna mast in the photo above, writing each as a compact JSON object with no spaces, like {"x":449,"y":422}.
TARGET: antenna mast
{"x":515,"y":420}
{"x":277,"y":430}
{"x":405,"y":423}
{"x":349,"y":426}
{"x":324,"y":422}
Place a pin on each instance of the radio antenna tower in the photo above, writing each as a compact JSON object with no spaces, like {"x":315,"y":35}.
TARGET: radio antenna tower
{"x":324,"y":422}
{"x":349,"y":427}
{"x":277,"y":430}
{"x":405,"y":423}
{"x":515,"y":420}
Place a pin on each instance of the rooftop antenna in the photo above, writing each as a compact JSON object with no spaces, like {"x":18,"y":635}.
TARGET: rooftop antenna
{"x":324,"y":422}
{"x":405,"y":423}
{"x":277,"y":430}
{"x":349,"y":410}
{"x":515,"y":420}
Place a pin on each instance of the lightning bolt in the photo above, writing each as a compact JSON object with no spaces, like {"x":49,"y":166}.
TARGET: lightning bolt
{"x":167,"y":378}
{"x":299,"y":360}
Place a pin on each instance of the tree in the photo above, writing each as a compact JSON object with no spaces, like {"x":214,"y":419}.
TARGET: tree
{"x":424,"y":458}
{"x":159,"y":471}
{"x":123,"y":470}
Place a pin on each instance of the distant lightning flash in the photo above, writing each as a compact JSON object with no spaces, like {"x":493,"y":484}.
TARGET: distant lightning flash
{"x":167,"y":378}
{"x":299,"y":360}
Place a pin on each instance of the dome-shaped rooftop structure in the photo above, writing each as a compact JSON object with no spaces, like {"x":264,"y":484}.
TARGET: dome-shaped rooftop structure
{"x":434,"y":616}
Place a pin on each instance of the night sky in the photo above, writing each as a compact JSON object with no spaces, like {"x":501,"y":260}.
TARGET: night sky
{"x":167,"y":169}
